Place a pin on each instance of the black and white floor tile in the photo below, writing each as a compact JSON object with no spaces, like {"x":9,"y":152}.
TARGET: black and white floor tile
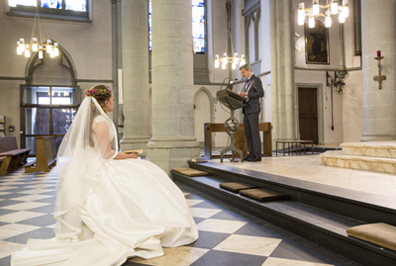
{"x":227,"y":236}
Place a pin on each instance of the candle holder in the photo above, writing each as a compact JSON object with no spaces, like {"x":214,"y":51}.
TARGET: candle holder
{"x":379,"y":78}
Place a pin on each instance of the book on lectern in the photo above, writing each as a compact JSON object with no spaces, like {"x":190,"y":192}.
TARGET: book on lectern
{"x":139,"y":151}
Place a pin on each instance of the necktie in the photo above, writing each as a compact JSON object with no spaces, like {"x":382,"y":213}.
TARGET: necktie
{"x":246,"y":83}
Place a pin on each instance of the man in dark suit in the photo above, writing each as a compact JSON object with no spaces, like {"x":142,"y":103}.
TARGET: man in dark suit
{"x":253,"y":89}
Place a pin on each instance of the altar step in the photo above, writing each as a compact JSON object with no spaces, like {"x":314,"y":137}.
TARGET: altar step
{"x":373,"y":156}
{"x":385,"y":149}
{"x":319,"y":213}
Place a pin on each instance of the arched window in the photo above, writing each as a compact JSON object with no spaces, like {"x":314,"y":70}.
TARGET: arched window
{"x":198,"y":25}
{"x":75,"y":10}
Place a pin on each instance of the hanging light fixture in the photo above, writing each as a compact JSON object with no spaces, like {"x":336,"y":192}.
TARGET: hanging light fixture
{"x":234,"y":60}
{"x":311,"y":21}
{"x":333,"y":8}
{"x":328,"y":19}
{"x":36,"y":44}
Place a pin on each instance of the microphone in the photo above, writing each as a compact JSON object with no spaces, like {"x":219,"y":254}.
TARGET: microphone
{"x":230,"y":85}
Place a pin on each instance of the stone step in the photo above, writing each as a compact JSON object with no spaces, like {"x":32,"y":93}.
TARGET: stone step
{"x":383,"y":149}
{"x":377,"y":164}
{"x":319,"y":213}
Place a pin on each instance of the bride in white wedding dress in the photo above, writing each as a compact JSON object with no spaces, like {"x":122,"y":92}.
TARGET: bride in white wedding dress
{"x":109,"y":206}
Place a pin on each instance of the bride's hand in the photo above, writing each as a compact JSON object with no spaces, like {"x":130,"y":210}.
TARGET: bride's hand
{"x":133,"y":155}
{"x":129,"y":155}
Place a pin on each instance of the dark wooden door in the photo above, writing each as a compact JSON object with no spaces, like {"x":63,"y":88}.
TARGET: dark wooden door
{"x":308,"y":114}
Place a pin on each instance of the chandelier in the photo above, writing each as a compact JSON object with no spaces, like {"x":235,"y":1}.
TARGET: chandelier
{"x":37,"y":44}
{"x":332,"y":8}
{"x":235,"y":60}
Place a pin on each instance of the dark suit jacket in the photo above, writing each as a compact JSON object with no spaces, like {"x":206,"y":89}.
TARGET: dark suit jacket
{"x":254,"y":92}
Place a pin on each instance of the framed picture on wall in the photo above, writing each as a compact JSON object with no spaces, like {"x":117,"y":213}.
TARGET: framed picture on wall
{"x":317,"y":44}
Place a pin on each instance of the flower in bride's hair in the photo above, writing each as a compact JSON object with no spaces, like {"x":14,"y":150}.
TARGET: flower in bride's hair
{"x":97,"y":92}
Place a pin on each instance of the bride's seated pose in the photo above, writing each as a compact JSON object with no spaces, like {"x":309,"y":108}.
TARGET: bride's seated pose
{"x":109,"y":206}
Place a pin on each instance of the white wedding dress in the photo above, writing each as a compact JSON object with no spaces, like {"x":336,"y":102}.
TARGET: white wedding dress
{"x":108,"y":210}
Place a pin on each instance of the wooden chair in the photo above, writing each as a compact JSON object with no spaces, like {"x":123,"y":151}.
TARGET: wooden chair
{"x":45,"y":156}
{"x":14,"y":157}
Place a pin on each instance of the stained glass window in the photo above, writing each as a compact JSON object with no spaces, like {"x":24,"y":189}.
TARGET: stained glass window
{"x":198,"y":25}
{"x":25,"y":2}
{"x":149,"y":24}
{"x":55,"y":4}
{"x":73,"y":5}
{"x":76,"y":5}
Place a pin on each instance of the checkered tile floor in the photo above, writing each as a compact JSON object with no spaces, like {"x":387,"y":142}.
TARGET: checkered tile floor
{"x":227,"y":236}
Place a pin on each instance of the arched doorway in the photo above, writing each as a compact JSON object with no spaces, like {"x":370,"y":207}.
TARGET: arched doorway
{"x":49,"y":99}
{"x":203,"y":113}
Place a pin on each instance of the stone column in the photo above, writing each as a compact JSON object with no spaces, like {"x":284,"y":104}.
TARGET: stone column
{"x":135,"y":64}
{"x":173,"y":141}
{"x":379,"y":33}
{"x":282,"y":71}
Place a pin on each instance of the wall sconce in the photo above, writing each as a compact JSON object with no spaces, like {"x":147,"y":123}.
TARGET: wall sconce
{"x":379,"y":78}
{"x":336,"y":81}
{"x":296,"y":36}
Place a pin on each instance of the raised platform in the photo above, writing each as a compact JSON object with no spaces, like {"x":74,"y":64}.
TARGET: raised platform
{"x":317,"y":212}
{"x":379,"y":156}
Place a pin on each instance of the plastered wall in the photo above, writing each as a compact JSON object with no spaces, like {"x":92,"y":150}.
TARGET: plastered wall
{"x":89,"y":46}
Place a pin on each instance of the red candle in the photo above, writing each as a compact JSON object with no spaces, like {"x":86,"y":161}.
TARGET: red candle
{"x":379,"y":53}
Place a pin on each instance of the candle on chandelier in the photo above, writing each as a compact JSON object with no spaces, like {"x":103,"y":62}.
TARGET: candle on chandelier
{"x":379,"y":53}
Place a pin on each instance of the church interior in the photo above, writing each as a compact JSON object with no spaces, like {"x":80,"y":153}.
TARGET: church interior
{"x":324,"y":192}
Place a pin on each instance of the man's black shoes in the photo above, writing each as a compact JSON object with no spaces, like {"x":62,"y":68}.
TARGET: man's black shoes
{"x":254,"y":159}
{"x":248,"y":157}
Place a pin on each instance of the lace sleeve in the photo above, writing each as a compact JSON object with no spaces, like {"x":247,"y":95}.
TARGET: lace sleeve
{"x":98,"y":119}
{"x":102,"y":130}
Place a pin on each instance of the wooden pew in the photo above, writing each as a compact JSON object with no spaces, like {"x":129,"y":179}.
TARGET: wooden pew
{"x":45,"y":155}
{"x":14,"y":157}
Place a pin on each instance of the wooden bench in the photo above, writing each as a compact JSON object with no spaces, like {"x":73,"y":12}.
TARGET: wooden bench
{"x":14,"y":157}
{"x":297,"y":143}
{"x":45,"y":156}
{"x":240,"y":139}
{"x":2,"y":158}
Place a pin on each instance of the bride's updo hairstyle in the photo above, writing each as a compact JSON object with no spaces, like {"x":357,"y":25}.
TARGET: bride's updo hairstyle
{"x":101,"y":93}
